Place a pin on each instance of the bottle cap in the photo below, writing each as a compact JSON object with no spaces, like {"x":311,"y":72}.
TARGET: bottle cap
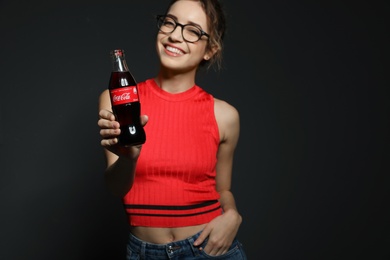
{"x":118,"y":53}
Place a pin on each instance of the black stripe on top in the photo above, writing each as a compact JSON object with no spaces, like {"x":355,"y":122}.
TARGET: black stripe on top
{"x":175,"y":215}
{"x":166,"y":207}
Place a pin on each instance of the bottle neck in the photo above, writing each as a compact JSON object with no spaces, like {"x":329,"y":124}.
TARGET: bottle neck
{"x":120,"y":64}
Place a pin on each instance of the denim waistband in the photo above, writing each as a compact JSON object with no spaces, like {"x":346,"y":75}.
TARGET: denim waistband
{"x":170,"y":249}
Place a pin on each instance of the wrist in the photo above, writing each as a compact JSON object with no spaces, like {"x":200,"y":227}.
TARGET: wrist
{"x":233,"y":213}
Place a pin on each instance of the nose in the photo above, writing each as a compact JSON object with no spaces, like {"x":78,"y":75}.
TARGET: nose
{"x":177,"y":34}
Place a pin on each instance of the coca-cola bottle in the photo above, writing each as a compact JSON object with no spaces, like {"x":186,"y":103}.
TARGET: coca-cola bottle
{"x":125,"y":101}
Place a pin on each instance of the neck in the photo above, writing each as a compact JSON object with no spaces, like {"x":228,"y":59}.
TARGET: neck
{"x":175,"y":83}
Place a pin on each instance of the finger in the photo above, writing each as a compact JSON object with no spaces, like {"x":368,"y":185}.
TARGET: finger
{"x":214,"y":250}
{"x":106,"y":124}
{"x":109,"y":142}
{"x":220,"y":251}
{"x":109,"y":133}
{"x":205,"y":233}
{"x":106,"y":114}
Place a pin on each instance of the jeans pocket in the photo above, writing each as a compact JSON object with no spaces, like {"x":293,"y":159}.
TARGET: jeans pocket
{"x":234,"y":252}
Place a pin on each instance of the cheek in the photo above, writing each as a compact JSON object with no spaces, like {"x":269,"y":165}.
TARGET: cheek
{"x":159,"y":47}
{"x":199,"y":52}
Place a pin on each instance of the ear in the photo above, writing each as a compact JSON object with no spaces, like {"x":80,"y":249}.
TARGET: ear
{"x":210,"y":52}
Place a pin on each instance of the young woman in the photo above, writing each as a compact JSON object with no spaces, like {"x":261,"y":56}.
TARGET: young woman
{"x":176,"y":186}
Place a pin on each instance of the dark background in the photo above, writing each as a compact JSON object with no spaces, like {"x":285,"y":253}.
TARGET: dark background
{"x":311,"y":172}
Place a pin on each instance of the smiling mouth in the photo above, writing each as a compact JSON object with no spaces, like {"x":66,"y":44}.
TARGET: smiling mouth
{"x":174,"y":50}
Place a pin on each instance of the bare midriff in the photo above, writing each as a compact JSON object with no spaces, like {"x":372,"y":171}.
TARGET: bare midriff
{"x":165,"y":235}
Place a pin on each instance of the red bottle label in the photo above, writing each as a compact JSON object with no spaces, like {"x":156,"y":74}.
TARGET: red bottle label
{"x":124,"y":95}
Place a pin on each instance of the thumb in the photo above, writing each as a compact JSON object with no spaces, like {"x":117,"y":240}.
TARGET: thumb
{"x":144,"y":120}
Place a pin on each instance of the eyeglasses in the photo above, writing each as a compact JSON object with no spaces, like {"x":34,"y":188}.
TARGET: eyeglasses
{"x":190,"y":32}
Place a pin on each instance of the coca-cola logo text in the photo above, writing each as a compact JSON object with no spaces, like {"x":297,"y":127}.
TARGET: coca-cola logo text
{"x":123,"y":97}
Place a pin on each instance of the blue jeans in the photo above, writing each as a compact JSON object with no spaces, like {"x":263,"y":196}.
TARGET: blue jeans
{"x":183,"y":249}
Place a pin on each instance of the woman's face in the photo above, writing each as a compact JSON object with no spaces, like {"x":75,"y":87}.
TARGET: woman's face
{"x":174,"y":52}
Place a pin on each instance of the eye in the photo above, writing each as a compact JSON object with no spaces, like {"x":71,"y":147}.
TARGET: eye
{"x":192,"y":30}
{"x":169,"y":22}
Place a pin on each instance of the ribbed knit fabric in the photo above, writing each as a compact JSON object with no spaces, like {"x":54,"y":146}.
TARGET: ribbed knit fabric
{"x":174,"y":184}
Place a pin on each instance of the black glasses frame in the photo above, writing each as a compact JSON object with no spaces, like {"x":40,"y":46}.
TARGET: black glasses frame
{"x":160,"y":19}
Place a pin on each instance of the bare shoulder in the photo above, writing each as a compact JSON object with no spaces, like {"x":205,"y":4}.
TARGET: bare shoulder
{"x":228,"y":119}
{"x":225,"y":111}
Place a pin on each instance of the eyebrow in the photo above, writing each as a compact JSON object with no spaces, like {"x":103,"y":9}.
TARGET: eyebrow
{"x":191,"y":23}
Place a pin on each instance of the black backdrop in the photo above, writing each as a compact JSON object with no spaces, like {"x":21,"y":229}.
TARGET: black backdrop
{"x":311,"y":174}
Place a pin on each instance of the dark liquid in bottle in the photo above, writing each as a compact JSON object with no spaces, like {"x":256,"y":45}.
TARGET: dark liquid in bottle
{"x":127,"y":114}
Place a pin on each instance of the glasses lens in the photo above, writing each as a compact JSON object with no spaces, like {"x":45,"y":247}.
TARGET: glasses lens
{"x":191,"y":33}
{"x":166,"y":24}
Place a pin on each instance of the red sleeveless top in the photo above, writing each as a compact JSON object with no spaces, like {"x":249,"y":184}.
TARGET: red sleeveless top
{"x":174,"y":185}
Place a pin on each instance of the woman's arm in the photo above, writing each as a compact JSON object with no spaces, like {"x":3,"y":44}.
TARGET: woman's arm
{"x":121,"y":161}
{"x":223,"y":229}
{"x":229,"y":129}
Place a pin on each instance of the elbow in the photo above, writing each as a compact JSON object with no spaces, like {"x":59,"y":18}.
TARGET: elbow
{"x":117,"y":187}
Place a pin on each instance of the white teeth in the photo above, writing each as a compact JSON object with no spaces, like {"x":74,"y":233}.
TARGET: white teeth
{"x":174,"y":50}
